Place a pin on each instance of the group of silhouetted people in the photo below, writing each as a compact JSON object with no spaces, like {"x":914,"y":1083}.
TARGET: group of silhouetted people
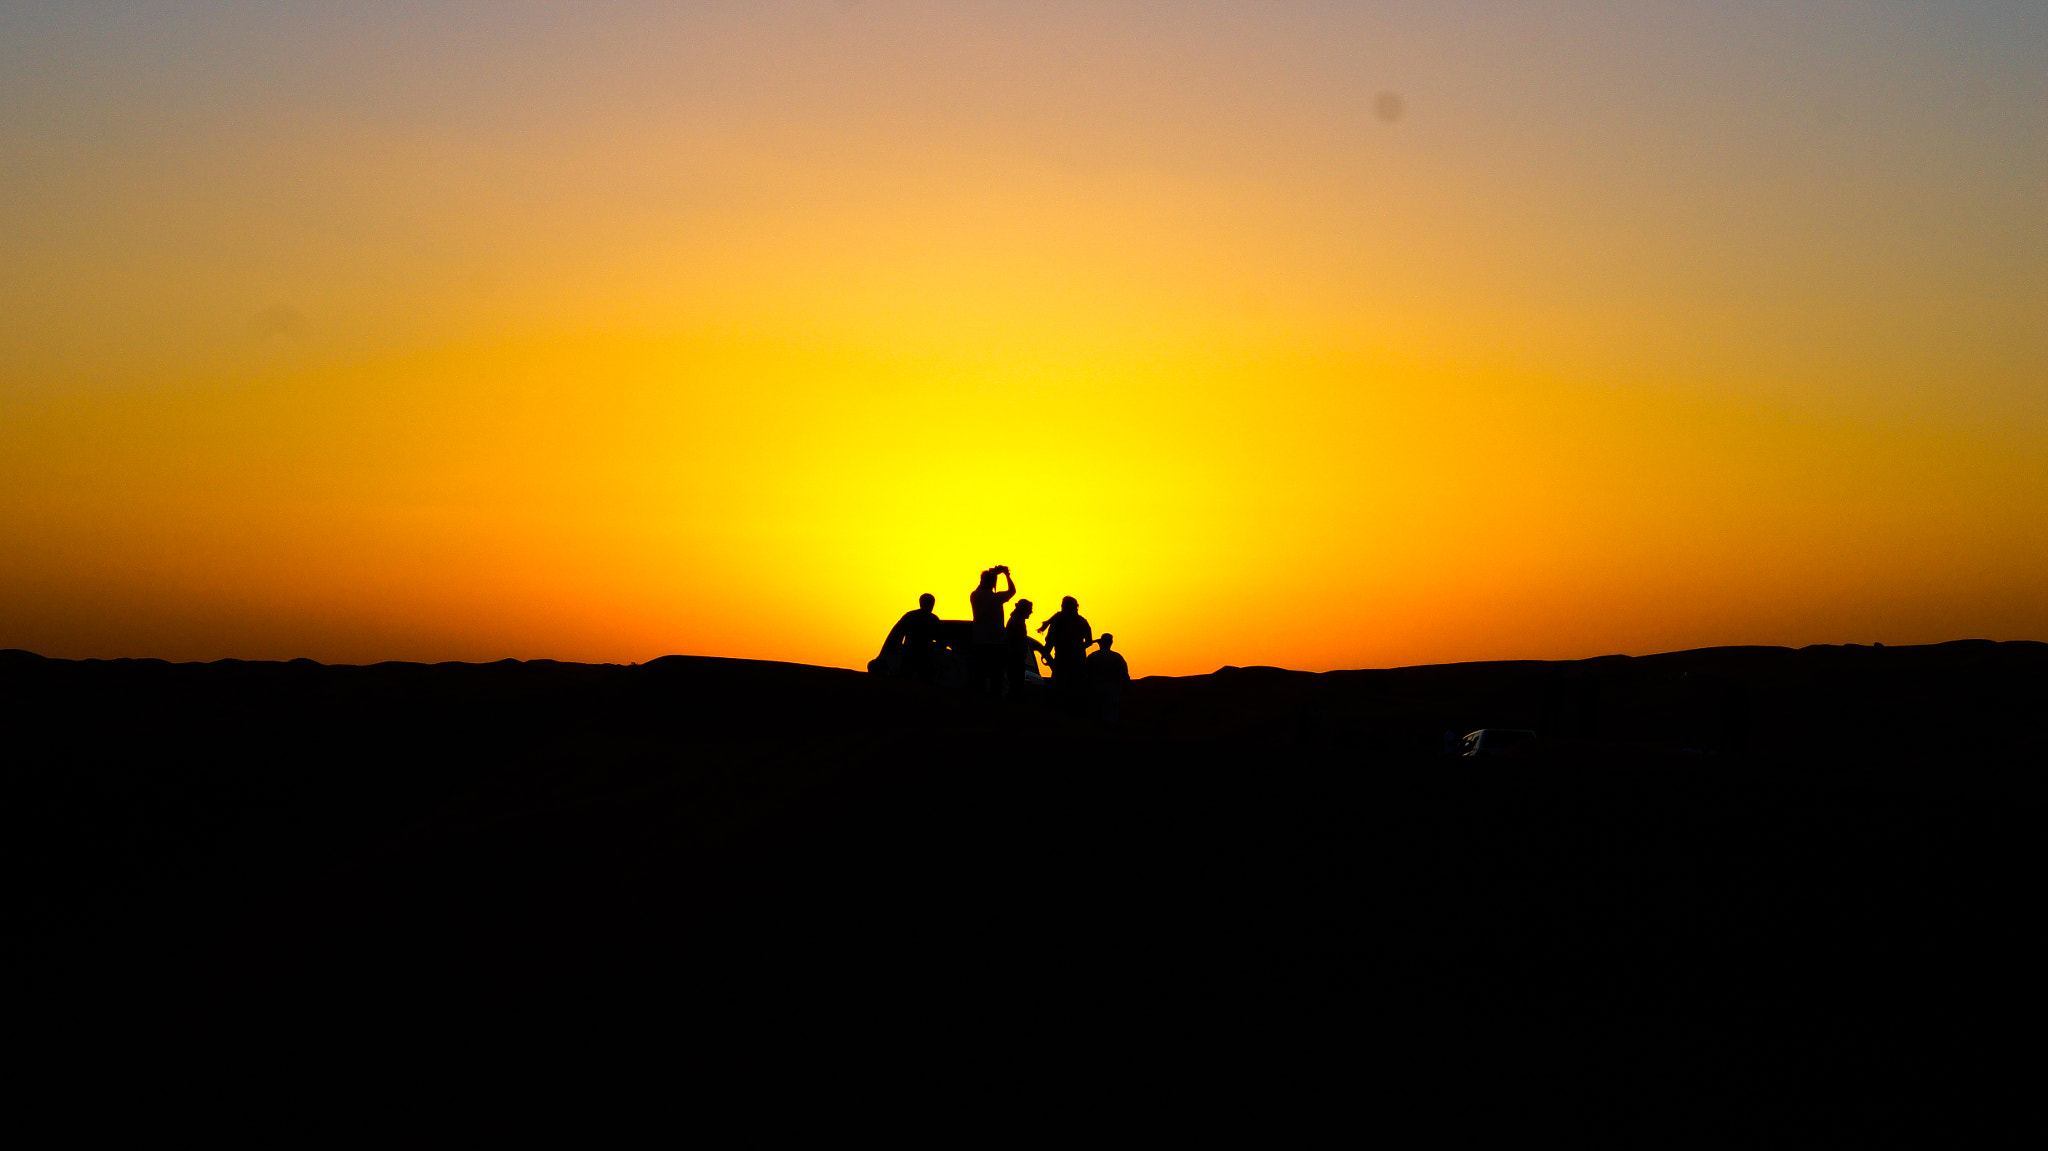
{"x":1002,"y":658}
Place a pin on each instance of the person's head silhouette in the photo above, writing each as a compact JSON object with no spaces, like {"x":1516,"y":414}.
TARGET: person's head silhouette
{"x":988,"y":580}
{"x":1070,"y":604}
{"x":927,"y":601}
{"x":1105,"y":641}
{"x":1021,"y":611}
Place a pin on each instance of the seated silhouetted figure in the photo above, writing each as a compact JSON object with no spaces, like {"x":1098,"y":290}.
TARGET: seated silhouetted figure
{"x":989,"y":646}
{"x":912,"y":648}
{"x":1021,"y":656}
{"x":1108,"y":675}
{"x":1068,"y":635}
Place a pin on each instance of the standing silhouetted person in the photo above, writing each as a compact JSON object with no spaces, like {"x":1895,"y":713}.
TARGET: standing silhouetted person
{"x":988,"y":628}
{"x":1067,"y":634}
{"x":912,"y":648}
{"x":1020,"y":650}
{"x":1108,"y":675}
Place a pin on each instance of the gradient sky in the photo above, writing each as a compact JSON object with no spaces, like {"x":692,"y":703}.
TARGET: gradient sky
{"x":444,"y":331}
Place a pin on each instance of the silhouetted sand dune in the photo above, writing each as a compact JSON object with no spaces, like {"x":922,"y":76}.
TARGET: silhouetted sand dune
{"x":1744,"y":872}
{"x":1964,"y":699}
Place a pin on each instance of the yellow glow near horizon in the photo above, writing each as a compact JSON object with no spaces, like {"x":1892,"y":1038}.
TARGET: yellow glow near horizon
{"x":586,"y":352}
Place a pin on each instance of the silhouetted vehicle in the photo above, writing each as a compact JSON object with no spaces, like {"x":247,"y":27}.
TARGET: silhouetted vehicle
{"x":1495,"y":740}
{"x":950,"y":655}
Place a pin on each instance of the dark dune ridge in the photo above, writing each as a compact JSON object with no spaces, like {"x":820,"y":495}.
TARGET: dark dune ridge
{"x":1754,"y":876}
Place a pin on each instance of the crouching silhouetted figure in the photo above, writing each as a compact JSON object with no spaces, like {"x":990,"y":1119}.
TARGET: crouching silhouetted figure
{"x":1108,"y":675}
{"x":912,"y":648}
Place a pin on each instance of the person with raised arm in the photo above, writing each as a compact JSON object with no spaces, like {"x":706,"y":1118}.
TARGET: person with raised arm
{"x":1068,"y":635}
{"x":986,"y":664}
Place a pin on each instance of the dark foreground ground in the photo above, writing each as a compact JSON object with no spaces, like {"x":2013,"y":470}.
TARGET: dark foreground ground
{"x":1731,"y":891}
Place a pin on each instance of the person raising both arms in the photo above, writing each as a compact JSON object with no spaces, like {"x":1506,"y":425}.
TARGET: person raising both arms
{"x":989,"y":647}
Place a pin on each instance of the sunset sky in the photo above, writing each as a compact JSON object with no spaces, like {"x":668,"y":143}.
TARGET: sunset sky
{"x":1321,"y":335}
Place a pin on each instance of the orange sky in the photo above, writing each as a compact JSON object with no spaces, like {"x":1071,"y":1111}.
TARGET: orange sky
{"x":599,"y":334}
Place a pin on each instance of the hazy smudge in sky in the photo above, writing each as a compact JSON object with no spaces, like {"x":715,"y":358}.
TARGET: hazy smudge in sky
{"x":280,"y":320}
